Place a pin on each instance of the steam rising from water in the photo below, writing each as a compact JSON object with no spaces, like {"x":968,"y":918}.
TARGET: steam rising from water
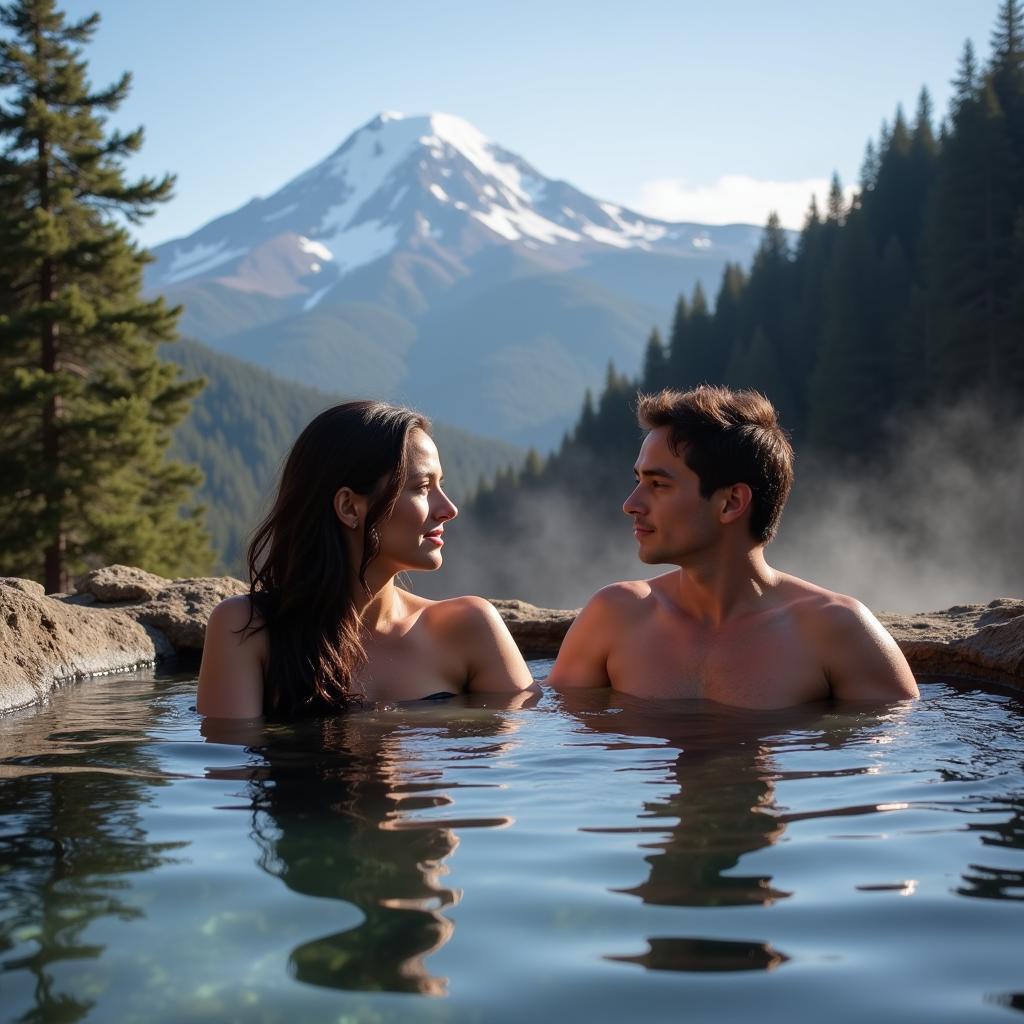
{"x":937,"y":523}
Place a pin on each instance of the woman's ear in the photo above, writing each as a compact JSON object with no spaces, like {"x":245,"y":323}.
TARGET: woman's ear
{"x":349,"y":507}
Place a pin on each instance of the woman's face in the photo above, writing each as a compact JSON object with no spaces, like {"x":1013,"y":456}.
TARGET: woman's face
{"x":413,"y":536}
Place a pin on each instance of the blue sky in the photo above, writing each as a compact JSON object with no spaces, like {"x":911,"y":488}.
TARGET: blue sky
{"x":686,"y":110}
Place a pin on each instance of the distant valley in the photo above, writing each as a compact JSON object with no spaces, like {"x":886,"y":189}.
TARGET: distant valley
{"x":422,"y":262}
{"x":243,"y":423}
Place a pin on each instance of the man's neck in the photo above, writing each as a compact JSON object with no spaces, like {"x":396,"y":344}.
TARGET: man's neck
{"x":725,"y":585}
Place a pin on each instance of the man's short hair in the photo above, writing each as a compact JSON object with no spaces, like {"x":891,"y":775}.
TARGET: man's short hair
{"x":728,"y":437}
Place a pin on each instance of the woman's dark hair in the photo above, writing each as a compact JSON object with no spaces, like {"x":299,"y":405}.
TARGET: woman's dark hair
{"x":301,"y":580}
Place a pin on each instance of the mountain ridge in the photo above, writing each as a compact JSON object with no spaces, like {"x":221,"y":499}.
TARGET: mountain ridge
{"x":412,"y":216}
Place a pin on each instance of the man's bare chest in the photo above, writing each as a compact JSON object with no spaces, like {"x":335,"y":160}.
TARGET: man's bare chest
{"x":765,"y":664}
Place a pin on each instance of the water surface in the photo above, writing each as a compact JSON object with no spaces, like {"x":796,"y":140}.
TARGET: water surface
{"x":589,"y":857}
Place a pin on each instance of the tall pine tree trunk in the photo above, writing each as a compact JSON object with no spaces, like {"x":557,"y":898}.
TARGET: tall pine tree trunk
{"x":54,"y":575}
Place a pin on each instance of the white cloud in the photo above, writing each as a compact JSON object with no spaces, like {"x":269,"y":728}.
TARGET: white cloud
{"x":732,"y":199}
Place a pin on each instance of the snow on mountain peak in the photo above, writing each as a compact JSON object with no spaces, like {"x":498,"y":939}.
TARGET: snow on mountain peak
{"x":395,"y":174}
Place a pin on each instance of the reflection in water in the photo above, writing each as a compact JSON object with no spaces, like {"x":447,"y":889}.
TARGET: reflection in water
{"x":722,"y":803}
{"x":336,"y":814}
{"x":99,"y":920}
{"x":705,"y":955}
{"x":722,"y":808}
{"x":998,"y":883}
{"x":1011,"y":1000}
{"x":71,"y":831}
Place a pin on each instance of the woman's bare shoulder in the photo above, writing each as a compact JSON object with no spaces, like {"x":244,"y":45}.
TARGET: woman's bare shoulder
{"x":238,"y":617}
{"x":468,"y":611}
{"x":234,"y":661}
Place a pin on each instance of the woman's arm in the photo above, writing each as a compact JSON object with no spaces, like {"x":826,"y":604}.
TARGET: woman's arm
{"x":234,"y":657}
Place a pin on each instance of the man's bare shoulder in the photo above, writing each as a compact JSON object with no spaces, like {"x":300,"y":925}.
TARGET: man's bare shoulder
{"x":625,"y":599}
{"x":614,"y":609}
{"x":826,"y":610}
{"x":861,"y":660}
{"x":603,"y":620}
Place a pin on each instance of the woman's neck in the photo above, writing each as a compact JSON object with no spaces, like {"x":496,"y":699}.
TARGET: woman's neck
{"x":377,"y":604}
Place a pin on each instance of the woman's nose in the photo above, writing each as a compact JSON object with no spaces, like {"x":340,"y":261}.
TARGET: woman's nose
{"x":448,"y":509}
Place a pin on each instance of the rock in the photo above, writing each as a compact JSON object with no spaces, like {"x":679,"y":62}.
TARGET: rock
{"x":120,"y":583}
{"x":180,"y":609}
{"x":976,"y":641}
{"x":538,"y":631}
{"x":25,"y":586}
{"x":45,"y":642}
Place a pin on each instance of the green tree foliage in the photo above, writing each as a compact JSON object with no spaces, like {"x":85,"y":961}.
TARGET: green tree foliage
{"x":973,"y":269}
{"x":244,"y":421}
{"x":907,"y":296}
{"x":655,"y":372}
{"x":89,"y":409}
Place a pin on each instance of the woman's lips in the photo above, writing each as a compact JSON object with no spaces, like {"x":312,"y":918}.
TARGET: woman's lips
{"x":435,"y":537}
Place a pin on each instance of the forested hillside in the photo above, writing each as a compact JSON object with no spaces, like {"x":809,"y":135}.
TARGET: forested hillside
{"x":423,"y":262}
{"x":890,"y":309}
{"x":243,"y":422}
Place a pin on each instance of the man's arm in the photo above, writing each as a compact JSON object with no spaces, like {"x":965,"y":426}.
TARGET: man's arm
{"x":583,"y":657}
{"x":862,"y":661}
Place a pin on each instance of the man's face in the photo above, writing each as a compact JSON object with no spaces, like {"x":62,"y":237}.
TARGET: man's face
{"x":671,"y":521}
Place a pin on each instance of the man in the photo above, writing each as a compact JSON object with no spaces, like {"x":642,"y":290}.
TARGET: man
{"x":713,"y":475}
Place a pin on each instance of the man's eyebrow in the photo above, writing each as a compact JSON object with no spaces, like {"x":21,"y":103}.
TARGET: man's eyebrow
{"x":656,"y":471}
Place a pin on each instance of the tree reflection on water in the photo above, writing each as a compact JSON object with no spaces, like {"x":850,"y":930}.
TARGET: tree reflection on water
{"x":72,"y":835}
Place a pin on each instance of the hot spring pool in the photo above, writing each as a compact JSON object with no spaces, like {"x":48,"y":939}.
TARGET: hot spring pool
{"x":587,"y":859}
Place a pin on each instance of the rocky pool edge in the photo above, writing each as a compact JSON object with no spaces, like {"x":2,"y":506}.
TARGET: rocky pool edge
{"x":121,"y":619}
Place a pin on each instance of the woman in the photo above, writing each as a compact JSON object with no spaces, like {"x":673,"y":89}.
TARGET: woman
{"x":324,"y":625}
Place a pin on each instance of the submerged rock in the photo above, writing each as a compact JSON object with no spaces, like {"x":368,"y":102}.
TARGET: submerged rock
{"x":123,"y":618}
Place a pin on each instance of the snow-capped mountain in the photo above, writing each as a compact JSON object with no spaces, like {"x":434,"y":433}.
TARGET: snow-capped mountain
{"x":360,"y":273}
{"x":424,"y":181}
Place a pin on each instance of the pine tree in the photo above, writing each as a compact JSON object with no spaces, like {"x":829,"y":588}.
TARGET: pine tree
{"x":726,"y":324}
{"x":868,"y":168}
{"x":760,"y":368}
{"x":810,"y":268}
{"x":585,"y":434}
{"x":655,"y":369}
{"x":533,"y":469}
{"x":1008,"y":35}
{"x":849,"y":396}
{"x":88,"y":406}
{"x":699,"y":360}
{"x":965,"y":85}
{"x":836,"y":201}
{"x":1007,"y":77}
{"x":678,"y":342}
{"x":971,"y":259}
